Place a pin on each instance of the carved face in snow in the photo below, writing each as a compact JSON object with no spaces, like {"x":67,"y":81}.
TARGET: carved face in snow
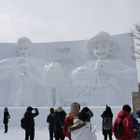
{"x":83,"y":87}
{"x":24,"y":47}
{"x":102,"y":46}
{"x":83,"y":80}
{"x":102,"y":49}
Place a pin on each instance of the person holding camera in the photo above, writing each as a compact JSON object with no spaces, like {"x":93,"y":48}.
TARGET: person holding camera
{"x":30,"y":123}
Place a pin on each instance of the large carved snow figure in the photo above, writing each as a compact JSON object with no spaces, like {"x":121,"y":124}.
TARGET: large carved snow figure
{"x":83,"y":80}
{"x":109,"y":71}
{"x":7,"y":66}
{"x":27,"y":82}
{"x":53,"y":78}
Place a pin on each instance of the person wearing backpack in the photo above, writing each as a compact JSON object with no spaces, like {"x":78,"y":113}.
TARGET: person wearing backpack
{"x":137,"y":130}
{"x":135,"y":121}
{"x":107,"y":117}
{"x":28,"y":122}
{"x":123,"y":125}
{"x":6,"y":119}
{"x":59,"y":117}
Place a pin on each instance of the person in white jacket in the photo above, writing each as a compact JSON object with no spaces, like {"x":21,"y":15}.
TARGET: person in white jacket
{"x":81,"y":130}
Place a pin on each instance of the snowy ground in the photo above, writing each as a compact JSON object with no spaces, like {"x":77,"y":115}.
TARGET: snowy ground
{"x":15,"y":134}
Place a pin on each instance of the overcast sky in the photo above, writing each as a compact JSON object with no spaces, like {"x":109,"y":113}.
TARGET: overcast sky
{"x":62,"y":20}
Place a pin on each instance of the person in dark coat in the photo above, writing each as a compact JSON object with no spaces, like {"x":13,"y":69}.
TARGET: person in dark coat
{"x":50,"y":120}
{"x":6,"y":119}
{"x":107,"y":117}
{"x":137,"y":130}
{"x":30,"y":129}
{"x":59,"y":117}
{"x":135,"y":121}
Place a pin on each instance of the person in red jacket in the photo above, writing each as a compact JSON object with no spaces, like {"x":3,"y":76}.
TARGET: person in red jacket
{"x":67,"y":123}
{"x":75,"y":108}
{"x":128,"y":133}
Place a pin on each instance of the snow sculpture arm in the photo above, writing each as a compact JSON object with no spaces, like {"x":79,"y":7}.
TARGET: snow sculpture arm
{"x":38,"y":81}
{"x":126,"y":73}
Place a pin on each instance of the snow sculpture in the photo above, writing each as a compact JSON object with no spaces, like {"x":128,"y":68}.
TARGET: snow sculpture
{"x":84,"y":81}
{"x":13,"y":65}
{"x":109,"y":71}
{"x":27,"y":82}
{"x":53,"y":78}
{"x":108,"y":75}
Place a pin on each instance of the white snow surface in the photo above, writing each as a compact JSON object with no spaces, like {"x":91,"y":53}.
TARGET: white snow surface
{"x":41,"y":134}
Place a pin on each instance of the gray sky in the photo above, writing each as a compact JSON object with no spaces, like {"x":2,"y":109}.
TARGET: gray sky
{"x":62,"y":20}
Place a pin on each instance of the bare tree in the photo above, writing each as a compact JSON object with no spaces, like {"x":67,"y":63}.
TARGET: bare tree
{"x":135,"y":33}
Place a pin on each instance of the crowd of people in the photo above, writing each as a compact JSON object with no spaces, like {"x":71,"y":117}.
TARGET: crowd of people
{"x":77,"y":124}
{"x":71,"y":125}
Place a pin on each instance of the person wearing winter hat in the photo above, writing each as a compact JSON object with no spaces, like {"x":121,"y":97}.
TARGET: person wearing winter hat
{"x":127,"y":122}
{"x":59,"y":109}
{"x":59,"y":117}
